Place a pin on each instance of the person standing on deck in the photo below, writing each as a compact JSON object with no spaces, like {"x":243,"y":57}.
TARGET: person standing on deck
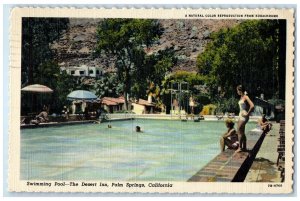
{"x":73,"y":107}
{"x":192,"y":104}
{"x":246,"y":107}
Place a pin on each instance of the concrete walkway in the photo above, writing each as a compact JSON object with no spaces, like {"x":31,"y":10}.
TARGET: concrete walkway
{"x":264,"y":168}
{"x":51,"y":124}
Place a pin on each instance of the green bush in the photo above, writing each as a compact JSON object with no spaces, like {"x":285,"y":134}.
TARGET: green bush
{"x":275,"y":101}
{"x":228,"y":105}
{"x":208,"y":109}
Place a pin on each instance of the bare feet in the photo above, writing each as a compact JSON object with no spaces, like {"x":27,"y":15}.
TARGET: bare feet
{"x":240,"y":150}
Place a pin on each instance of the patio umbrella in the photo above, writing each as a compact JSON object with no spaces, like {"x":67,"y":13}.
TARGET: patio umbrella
{"x":37,"y":88}
{"x":34,"y":90}
{"x":81,"y":95}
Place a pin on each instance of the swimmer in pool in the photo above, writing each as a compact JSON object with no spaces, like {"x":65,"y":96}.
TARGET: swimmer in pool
{"x":138,"y":129}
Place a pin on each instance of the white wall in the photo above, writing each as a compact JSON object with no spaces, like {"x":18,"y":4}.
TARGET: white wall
{"x":86,"y":70}
{"x":138,"y":109}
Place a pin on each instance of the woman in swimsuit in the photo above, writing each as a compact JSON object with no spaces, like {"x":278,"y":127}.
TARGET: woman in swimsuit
{"x":244,"y":114}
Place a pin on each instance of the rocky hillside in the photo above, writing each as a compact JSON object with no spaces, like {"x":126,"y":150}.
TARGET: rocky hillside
{"x":187,"y":37}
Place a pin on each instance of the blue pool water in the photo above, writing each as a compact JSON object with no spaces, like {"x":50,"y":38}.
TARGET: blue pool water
{"x":165,"y":150}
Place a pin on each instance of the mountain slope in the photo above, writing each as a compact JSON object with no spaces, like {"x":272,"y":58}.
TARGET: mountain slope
{"x":187,"y":37}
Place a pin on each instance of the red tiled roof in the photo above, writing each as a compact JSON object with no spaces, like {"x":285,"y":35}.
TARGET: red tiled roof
{"x":107,"y":102}
{"x":112,"y":101}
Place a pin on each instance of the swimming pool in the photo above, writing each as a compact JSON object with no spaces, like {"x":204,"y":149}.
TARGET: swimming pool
{"x":166,"y":150}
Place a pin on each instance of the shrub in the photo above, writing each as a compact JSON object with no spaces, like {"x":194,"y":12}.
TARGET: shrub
{"x":208,"y":109}
{"x":228,"y":105}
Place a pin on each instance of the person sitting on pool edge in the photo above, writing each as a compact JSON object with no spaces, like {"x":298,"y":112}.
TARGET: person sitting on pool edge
{"x":41,"y":118}
{"x":229,"y":138}
{"x":264,"y":124}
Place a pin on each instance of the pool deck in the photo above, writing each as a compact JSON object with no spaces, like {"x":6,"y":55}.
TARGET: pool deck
{"x":123,"y":117}
{"x":229,"y":166}
{"x":183,"y":117}
{"x":51,"y":124}
{"x":264,"y":167}
{"x":118,"y":119}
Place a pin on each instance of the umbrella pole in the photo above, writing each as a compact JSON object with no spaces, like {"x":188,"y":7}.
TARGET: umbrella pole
{"x":34,"y":102}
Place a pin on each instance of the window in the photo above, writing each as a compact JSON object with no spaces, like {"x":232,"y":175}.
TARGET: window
{"x":101,"y":73}
{"x":81,"y":72}
{"x":91,"y":72}
{"x":72,"y":72}
{"x":97,"y":72}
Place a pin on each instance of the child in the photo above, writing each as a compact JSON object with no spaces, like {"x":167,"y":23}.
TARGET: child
{"x":230,"y":138}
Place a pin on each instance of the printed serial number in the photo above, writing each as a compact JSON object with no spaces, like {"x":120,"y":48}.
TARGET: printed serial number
{"x":274,"y":185}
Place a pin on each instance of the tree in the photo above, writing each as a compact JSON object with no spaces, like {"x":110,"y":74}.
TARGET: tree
{"x":126,"y":40}
{"x":249,"y":54}
{"x":192,"y":79}
{"x":49,"y":74}
{"x":148,"y":80}
{"x":38,"y":60}
{"x":37,"y":34}
{"x":108,"y":85}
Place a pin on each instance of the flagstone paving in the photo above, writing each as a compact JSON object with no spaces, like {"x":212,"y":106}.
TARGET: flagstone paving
{"x":264,"y":168}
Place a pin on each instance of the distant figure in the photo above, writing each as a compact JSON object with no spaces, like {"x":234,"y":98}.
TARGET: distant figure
{"x":109,"y":126}
{"x":41,"y":118}
{"x":73,"y":107}
{"x":246,"y":107}
{"x":229,"y":138}
{"x":231,"y":115}
{"x":65,"y":112}
{"x":220,"y":116}
{"x":192,"y":104}
{"x":83,"y":106}
{"x":86,"y":113}
{"x":138,"y":129}
{"x":264,"y":124}
{"x":98,"y":113}
{"x":45,"y":108}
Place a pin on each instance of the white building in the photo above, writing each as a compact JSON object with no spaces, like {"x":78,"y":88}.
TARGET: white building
{"x":84,"y":71}
{"x":143,"y":107}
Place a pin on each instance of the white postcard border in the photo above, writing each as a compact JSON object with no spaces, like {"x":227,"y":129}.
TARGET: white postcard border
{"x":16,"y":185}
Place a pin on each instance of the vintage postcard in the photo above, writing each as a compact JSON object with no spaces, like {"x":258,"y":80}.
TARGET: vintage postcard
{"x":151,"y":100}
